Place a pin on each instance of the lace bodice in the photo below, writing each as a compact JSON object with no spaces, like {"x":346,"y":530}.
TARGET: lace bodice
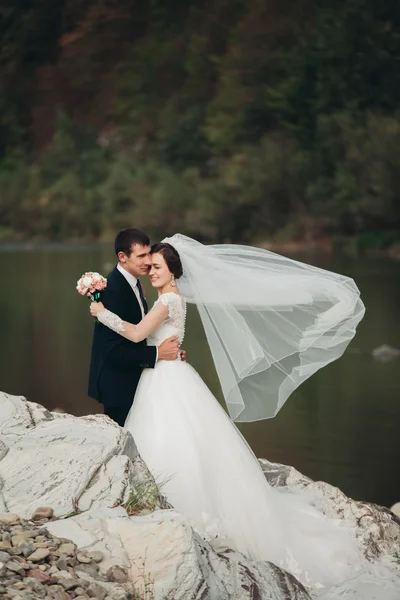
{"x":175,"y":324}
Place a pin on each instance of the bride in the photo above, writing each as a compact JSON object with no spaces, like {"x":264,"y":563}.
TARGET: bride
{"x":271,"y":322}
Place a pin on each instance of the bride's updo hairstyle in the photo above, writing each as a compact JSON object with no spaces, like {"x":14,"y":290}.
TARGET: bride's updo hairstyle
{"x":170,"y":256}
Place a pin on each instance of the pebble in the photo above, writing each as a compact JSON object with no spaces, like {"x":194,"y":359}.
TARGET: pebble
{"x":27,"y":548}
{"x":15,"y":566}
{"x":79,"y":591}
{"x":95,"y":590}
{"x":117,"y":574}
{"x":62,"y":596}
{"x":67,"y":548}
{"x":43,"y":567}
{"x":4,"y":557}
{"x":68,"y":583}
{"x":39,"y":555}
{"x":43,"y":512}
{"x":83,"y":558}
{"x":95,"y":555}
{"x":39,"y":575}
{"x":36,"y":565}
{"x":62,"y":564}
{"x":9,"y":519}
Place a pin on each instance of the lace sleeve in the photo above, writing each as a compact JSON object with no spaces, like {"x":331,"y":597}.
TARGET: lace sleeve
{"x":174,"y":304}
{"x":111,"y":320}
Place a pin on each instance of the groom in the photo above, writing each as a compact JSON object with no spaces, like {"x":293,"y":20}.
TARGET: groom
{"x":117,"y":363}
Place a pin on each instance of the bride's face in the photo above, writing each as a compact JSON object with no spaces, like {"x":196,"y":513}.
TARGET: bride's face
{"x":159,"y":273}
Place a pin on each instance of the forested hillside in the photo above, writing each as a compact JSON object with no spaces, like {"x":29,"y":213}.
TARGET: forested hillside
{"x":229,"y":120}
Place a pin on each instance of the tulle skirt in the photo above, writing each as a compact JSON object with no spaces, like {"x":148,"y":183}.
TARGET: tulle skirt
{"x":209,"y":473}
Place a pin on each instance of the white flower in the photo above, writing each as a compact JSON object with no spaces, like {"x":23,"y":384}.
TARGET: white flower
{"x":97,"y":277}
{"x":87,"y":281}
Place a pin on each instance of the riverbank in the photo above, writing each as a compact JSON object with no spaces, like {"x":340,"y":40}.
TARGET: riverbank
{"x":353,"y":246}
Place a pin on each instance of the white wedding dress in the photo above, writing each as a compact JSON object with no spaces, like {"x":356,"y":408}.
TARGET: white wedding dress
{"x":211,"y":475}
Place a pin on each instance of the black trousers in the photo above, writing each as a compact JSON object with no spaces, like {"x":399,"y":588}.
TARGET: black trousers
{"x":117,"y":413}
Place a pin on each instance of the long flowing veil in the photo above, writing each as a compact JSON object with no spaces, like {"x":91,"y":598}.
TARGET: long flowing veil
{"x":270,"y":321}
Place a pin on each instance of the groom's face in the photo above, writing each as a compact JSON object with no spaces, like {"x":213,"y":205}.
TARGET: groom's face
{"x":138,"y":263}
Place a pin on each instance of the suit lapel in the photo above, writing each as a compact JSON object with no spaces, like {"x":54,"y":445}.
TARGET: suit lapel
{"x":126,"y":289}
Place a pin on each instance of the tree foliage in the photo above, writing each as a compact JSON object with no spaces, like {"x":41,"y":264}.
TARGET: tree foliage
{"x":233,"y":120}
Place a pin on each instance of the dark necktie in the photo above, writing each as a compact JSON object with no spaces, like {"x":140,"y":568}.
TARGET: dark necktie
{"x":143,"y":299}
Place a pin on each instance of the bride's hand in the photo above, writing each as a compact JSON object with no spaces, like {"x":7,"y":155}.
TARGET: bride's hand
{"x":96,"y":307}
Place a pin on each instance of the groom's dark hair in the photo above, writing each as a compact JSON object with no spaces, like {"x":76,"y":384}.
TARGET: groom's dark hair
{"x":127,"y":238}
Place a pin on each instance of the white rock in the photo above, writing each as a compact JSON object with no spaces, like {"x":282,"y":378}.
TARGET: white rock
{"x":89,"y":531}
{"x":55,"y":462}
{"x":376,"y":530}
{"x":396,"y":509}
{"x":3,"y":449}
{"x":164,"y":554}
{"x":8,"y":518}
{"x":89,"y":463}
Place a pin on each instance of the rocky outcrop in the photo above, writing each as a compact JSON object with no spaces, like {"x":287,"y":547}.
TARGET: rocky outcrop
{"x":167,"y":559}
{"x":377,"y":528}
{"x":69,"y":463}
{"x":88,"y":471}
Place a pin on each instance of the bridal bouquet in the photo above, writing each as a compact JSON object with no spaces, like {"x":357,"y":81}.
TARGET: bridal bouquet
{"x":91,"y":285}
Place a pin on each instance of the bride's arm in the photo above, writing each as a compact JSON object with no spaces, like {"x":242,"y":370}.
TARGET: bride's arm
{"x":134,"y":333}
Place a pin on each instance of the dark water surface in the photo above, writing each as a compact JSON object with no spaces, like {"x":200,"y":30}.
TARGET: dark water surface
{"x":340,"y":426}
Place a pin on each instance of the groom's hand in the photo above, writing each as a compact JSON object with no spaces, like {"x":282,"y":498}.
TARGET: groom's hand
{"x":169,"y":349}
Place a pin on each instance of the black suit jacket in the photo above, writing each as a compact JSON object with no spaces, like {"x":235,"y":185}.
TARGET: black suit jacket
{"x":116,"y":363}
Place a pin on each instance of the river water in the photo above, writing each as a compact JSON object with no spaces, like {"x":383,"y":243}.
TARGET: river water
{"x":341,"y":426}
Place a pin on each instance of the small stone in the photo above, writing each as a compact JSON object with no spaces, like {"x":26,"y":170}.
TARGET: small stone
{"x":95,"y":555}
{"x":11,"y":579}
{"x":54,"y":588}
{"x":43,"y":567}
{"x":19,"y":585}
{"x":27,"y":548}
{"x":4,"y":557}
{"x":62,"y":575}
{"x":39,"y":555}
{"x":32,"y":584}
{"x":41,"y":538}
{"x":91,"y":569}
{"x":6,"y":536}
{"x":95,"y":590}
{"x":28,"y":534}
{"x":62,"y":564}
{"x":43,"y":512}
{"x":68,"y":583}
{"x":3,"y":569}
{"x":79,"y":591}
{"x":15,"y":566}
{"x":83,"y":558}
{"x":22,"y":562}
{"x":14,"y":551}
{"x":117,"y":574}
{"x":16,"y":539}
{"x":39,"y":576}
{"x":9,"y":519}
{"x":5,"y":545}
{"x":67,"y":548}
{"x":62,"y":596}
